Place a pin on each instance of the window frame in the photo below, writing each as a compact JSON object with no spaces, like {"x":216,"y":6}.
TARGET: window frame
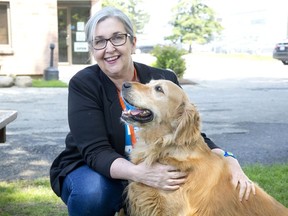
{"x":6,"y":49}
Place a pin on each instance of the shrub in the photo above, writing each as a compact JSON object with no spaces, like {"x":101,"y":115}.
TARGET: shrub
{"x":170,"y":57}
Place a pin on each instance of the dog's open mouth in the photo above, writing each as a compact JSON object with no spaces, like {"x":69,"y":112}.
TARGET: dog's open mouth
{"x":136,"y":114}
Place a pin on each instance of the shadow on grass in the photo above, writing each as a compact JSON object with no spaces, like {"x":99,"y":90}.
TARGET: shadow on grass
{"x":30,"y":197}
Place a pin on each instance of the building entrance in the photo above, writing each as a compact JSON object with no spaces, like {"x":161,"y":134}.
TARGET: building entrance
{"x":71,"y":37}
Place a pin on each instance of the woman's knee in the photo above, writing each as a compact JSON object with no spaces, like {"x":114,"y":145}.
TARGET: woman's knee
{"x":87,"y":203}
{"x":91,"y":193}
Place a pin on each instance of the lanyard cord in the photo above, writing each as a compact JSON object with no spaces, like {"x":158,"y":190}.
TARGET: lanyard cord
{"x":131,"y":128}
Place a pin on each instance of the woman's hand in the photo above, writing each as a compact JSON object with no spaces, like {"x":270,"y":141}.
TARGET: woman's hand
{"x":239,"y":179}
{"x":160,"y":176}
{"x":238,"y":176}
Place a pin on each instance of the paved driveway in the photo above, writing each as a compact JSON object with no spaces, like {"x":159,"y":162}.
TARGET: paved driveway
{"x":247,"y":116}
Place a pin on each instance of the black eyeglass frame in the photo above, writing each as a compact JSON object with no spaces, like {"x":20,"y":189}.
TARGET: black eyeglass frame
{"x":109,"y":39}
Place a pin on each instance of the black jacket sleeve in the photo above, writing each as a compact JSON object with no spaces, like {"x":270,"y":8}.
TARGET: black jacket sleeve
{"x":90,"y":122}
{"x":209,"y":142}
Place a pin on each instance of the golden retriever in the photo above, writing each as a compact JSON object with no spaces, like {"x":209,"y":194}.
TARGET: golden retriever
{"x":170,"y":134}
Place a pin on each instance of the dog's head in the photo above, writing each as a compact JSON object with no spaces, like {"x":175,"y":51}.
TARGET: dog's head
{"x":157,"y":104}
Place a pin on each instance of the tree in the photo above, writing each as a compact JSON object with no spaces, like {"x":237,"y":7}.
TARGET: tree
{"x":193,"y":21}
{"x":132,"y":8}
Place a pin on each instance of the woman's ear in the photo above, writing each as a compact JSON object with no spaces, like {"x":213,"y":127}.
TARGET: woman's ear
{"x":134,"y":45}
{"x":188,"y":127}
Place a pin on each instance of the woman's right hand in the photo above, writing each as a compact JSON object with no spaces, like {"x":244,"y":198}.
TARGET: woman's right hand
{"x":160,"y":176}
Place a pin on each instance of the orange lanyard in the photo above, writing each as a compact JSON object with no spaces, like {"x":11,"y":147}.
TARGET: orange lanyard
{"x":133,"y":136}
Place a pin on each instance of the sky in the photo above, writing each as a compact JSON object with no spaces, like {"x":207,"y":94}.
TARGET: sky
{"x":158,"y":26}
{"x":160,"y":14}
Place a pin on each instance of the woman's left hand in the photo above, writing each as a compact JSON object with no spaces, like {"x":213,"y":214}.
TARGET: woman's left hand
{"x":239,"y":179}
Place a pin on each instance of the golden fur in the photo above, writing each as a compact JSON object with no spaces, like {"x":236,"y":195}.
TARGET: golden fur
{"x":173,"y":137}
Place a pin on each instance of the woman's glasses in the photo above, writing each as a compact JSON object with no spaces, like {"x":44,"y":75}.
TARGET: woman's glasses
{"x":116,"y":40}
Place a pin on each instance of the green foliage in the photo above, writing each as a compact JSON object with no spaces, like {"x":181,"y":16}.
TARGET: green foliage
{"x":133,"y":9}
{"x":40,"y":83}
{"x":170,"y":57}
{"x":193,"y":21}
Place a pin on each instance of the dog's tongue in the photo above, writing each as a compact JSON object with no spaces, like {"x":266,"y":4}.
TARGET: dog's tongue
{"x":132,"y":112}
{"x":135,"y":112}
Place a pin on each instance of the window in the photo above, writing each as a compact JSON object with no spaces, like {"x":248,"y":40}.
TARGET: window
{"x":5,"y":40}
{"x":4,"y":23}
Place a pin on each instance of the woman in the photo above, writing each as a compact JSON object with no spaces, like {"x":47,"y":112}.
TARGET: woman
{"x":92,"y":172}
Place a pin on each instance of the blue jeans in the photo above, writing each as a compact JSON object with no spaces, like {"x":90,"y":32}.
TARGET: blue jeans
{"x":86,"y":192}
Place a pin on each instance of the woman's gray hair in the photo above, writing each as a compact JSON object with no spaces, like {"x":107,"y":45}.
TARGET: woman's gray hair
{"x":104,"y":14}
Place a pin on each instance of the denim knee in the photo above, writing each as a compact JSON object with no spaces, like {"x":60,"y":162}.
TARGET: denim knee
{"x":86,"y":192}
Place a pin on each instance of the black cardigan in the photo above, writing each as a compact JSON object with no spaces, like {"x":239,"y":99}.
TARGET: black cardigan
{"x":97,"y":136}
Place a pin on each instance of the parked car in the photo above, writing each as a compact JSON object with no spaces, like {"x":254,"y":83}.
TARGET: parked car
{"x":144,"y":49}
{"x":280,"y":51}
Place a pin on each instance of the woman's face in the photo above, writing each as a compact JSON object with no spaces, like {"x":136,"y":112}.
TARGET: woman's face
{"x":115,"y":61}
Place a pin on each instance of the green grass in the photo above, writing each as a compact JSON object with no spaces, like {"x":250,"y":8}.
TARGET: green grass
{"x":40,"y":83}
{"x":273,"y":179}
{"x":31,"y":198}
{"x":35,"y":197}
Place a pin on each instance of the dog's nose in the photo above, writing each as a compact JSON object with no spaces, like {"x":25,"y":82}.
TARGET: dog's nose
{"x":126,"y":85}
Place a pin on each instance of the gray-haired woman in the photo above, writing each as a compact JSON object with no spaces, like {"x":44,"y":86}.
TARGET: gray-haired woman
{"x":91,"y":173}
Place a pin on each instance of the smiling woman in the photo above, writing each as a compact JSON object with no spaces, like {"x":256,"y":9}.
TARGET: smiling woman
{"x":98,"y":144}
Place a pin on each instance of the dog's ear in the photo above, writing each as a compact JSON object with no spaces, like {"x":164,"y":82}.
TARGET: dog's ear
{"x":188,"y":124}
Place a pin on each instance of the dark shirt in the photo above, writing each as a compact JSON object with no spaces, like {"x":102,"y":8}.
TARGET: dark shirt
{"x":97,"y":136}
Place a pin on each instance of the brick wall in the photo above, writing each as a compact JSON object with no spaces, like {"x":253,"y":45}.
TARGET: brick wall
{"x":33,"y":28}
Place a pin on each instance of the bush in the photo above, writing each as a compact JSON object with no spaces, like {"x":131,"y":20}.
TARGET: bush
{"x":170,"y":57}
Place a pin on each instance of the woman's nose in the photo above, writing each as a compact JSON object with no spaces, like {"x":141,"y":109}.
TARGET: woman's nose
{"x":109,"y":46}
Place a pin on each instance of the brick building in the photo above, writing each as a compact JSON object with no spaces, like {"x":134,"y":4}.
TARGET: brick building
{"x":28,"y":27}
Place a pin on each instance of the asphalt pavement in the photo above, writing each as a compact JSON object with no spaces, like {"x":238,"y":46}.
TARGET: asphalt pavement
{"x":245,"y":115}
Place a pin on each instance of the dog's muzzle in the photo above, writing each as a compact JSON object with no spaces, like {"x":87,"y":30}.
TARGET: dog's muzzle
{"x":133,"y":113}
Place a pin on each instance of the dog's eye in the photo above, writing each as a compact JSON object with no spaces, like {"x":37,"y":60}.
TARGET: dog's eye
{"x":159,"y":89}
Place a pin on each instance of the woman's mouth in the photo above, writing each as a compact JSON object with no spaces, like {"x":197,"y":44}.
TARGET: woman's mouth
{"x":111,"y":59}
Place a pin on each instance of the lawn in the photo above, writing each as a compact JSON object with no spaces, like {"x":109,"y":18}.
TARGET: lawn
{"x":27,"y":197}
{"x":40,"y":83}
{"x":35,"y":197}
